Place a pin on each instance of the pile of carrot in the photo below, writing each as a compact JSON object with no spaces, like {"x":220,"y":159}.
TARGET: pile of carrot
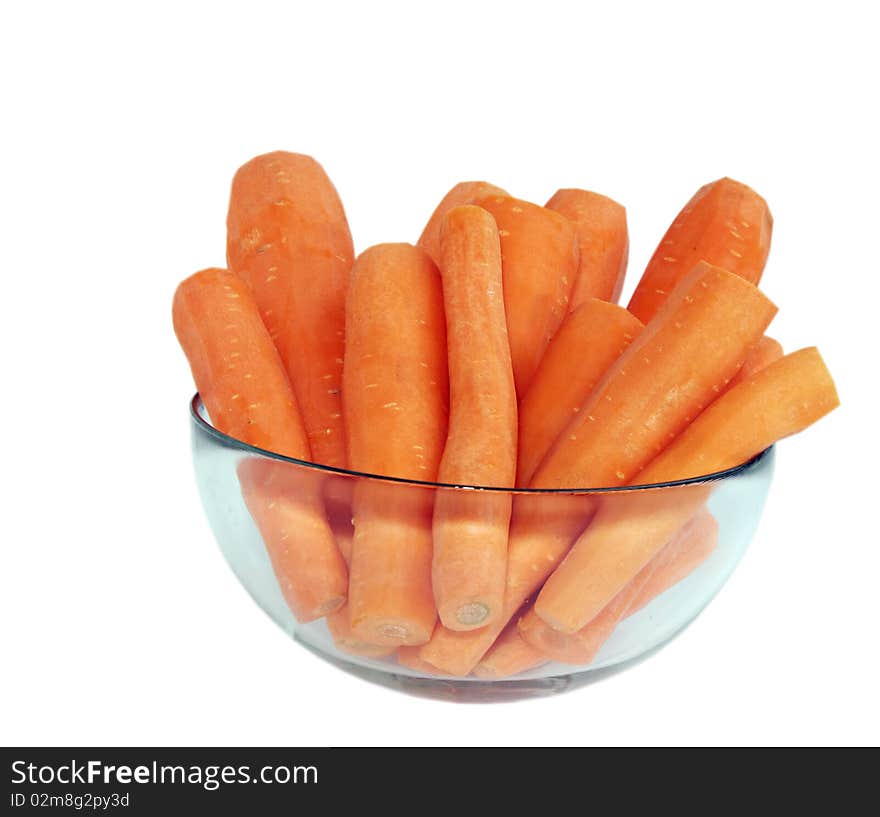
{"x":490,"y":353}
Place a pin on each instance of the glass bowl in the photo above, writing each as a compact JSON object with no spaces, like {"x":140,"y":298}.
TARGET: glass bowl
{"x":735,"y":500}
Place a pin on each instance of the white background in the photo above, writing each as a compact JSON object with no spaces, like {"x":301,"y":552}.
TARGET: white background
{"x":119,"y":621}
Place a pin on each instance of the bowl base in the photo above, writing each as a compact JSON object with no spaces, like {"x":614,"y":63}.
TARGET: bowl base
{"x":482,"y":692}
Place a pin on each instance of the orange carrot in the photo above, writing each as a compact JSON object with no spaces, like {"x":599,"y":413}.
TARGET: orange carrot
{"x":686,"y":552}
{"x":590,"y":339}
{"x":343,"y":531}
{"x":409,"y":657}
{"x":668,"y":374}
{"x":762,"y":354}
{"x":694,"y":345}
{"x":725,"y":224}
{"x":339,"y":625}
{"x":288,"y":237}
{"x":539,"y":254}
{"x":541,"y":531}
{"x":470,"y":527}
{"x":286,"y":507}
{"x":248,"y":396}
{"x":777,"y":401}
{"x":396,"y":398}
{"x":582,"y":647}
{"x":462,"y":193}
{"x":602,"y":240}
{"x":339,"y":621}
{"x":509,"y":655}
{"x":781,"y":399}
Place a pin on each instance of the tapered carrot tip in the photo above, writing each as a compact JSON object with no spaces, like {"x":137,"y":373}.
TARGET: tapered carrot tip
{"x":510,"y":655}
{"x":539,"y":253}
{"x":462,"y":193}
{"x":602,"y":241}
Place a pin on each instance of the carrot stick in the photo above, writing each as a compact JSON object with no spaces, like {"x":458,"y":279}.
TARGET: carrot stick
{"x":762,"y":354}
{"x":409,"y":657}
{"x":582,"y":647}
{"x":542,"y":529}
{"x":339,"y":621}
{"x":462,"y":193}
{"x":339,"y":625}
{"x":470,"y":527}
{"x":693,"y":346}
{"x":668,"y":374}
{"x":590,"y":339}
{"x":248,"y":396}
{"x":343,"y":531}
{"x":686,"y":552}
{"x":725,"y":224}
{"x":781,"y":399}
{"x":509,"y":655}
{"x":288,"y":237}
{"x":396,"y":396}
{"x":539,"y":256}
{"x":602,"y":240}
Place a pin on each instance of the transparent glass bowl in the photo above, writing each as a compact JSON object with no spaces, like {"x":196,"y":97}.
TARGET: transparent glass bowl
{"x":736,"y":501}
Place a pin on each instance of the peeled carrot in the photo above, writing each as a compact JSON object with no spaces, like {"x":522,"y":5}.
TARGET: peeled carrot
{"x":602,"y":240}
{"x":343,"y":531}
{"x":539,"y":255}
{"x":777,"y":401}
{"x":686,"y":552}
{"x":339,"y":621}
{"x":409,"y":657}
{"x":629,"y":529}
{"x":470,"y":527}
{"x":667,"y":375}
{"x":542,"y":529}
{"x":691,"y":349}
{"x":396,"y":403}
{"x":590,"y":339}
{"x":762,"y":354}
{"x":286,"y":507}
{"x":509,"y":655}
{"x":456,"y":652}
{"x":725,"y":224}
{"x":339,"y":625}
{"x":248,"y":396}
{"x":462,"y":193}
{"x":583,"y":646}
{"x":288,"y":237}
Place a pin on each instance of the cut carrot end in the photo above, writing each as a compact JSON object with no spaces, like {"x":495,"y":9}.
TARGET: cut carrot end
{"x":389,"y":632}
{"x":472,"y":615}
{"x":393,"y":631}
{"x":330,"y":606}
{"x":363,"y":649}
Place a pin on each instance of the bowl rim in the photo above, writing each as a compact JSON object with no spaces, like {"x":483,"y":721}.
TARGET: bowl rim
{"x":231,"y":442}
